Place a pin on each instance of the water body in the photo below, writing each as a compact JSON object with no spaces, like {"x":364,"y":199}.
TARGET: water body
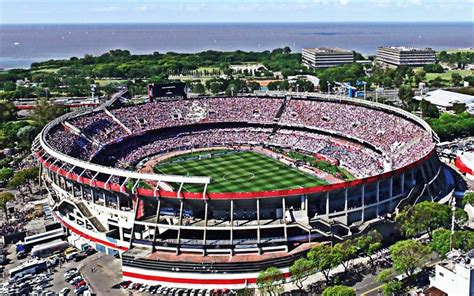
{"x":20,"y":45}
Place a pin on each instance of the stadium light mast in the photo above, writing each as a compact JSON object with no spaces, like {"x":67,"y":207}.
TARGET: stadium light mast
{"x":453,"y":221}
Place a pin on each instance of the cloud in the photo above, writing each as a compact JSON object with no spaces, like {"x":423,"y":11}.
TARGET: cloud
{"x":343,"y":2}
{"x":109,"y":9}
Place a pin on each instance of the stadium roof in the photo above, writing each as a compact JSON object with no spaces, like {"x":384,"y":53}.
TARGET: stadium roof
{"x":444,"y":98}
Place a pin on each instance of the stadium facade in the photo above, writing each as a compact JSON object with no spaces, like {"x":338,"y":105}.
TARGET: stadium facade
{"x":92,"y":165}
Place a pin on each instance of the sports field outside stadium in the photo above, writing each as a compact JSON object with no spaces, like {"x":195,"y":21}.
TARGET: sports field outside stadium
{"x":239,"y":171}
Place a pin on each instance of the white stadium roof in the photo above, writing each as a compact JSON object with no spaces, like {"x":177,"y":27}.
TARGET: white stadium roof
{"x":444,"y":98}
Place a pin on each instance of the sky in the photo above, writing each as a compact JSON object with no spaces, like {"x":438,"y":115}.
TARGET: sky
{"x":218,"y":11}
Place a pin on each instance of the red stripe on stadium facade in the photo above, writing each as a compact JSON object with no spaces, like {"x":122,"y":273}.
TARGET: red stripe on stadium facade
{"x":234,"y":195}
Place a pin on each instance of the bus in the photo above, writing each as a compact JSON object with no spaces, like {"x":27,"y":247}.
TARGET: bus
{"x":33,"y":266}
{"x":41,"y":238}
{"x":48,"y":249}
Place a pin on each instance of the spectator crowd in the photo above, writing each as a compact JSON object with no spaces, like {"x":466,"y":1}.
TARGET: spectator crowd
{"x":397,"y":141}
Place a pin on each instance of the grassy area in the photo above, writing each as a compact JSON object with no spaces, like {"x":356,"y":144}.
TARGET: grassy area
{"x":46,"y":70}
{"x":447,"y":75}
{"x":103,"y":82}
{"x":240,"y":172}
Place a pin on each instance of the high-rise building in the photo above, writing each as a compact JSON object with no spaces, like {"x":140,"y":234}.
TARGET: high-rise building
{"x":405,"y":56}
{"x":326,"y":57}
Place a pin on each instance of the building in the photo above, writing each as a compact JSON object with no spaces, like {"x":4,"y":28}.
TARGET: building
{"x":100,"y":191}
{"x":405,"y":56}
{"x":444,"y":99}
{"x":455,"y":275}
{"x":326,"y":57}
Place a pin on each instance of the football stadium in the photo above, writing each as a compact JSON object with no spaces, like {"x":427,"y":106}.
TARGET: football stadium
{"x":209,"y":191}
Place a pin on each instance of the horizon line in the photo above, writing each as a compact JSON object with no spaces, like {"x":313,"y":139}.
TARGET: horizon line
{"x":242,"y":22}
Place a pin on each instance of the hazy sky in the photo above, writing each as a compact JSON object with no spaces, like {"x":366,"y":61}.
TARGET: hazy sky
{"x":166,"y":11}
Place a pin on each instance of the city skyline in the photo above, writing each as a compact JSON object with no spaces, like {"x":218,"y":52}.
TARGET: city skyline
{"x":246,"y":11}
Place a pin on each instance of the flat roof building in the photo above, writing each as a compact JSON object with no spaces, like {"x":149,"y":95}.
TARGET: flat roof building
{"x":455,"y":275}
{"x":405,"y":56}
{"x":326,"y":57}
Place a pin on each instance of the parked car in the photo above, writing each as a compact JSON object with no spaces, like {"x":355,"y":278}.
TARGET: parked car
{"x":64,"y":291}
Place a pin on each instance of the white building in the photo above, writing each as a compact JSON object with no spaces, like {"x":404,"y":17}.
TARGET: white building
{"x":405,"y":56}
{"x":444,"y":99}
{"x":326,"y":57}
{"x":455,"y":275}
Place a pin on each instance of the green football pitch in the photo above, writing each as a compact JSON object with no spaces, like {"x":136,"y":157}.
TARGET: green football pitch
{"x":241,"y":171}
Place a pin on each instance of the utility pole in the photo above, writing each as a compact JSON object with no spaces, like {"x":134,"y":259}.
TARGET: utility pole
{"x":365,"y":89}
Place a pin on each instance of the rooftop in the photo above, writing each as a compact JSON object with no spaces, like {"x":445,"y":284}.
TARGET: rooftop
{"x":327,"y":50}
{"x":406,"y":48}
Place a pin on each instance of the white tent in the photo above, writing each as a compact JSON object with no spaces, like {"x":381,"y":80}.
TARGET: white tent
{"x":444,"y":99}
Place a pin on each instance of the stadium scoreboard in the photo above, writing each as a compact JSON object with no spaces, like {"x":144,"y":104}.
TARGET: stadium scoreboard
{"x":162,"y":91}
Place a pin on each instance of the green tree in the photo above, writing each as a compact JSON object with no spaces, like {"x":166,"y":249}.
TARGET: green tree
{"x":456,"y":79}
{"x":8,"y":111}
{"x":459,"y":108}
{"x":428,"y":109}
{"x":323,"y":260}
{"x":23,"y":177}
{"x":339,"y":290}
{"x":425,"y":217}
{"x":5,"y":174}
{"x":406,"y":94}
{"x":369,"y":244}
{"x":44,"y":112}
{"x":385,"y":276}
{"x":391,"y":288}
{"x":468,"y":199}
{"x":461,"y":240}
{"x":270,"y":281}
{"x":345,"y":252}
{"x":5,"y":197}
{"x":408,"y":255}
{"x":300,"y":270}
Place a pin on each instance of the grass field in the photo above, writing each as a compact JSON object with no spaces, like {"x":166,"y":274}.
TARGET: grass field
{"x":240,"y":172}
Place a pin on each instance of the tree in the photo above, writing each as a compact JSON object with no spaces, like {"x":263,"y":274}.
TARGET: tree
{"x":456,"y":79}
{"x":428,"y":109}
{"x":385,"y":276}
{"x":408,"y":255}
{"x":393,"y":287}
{"x":461,"y":240}
{"x":7,"y":111}
{"x":468,"y":199}
{"x":5,"y":197}
{"x":270,"y":281}
{"x":322,"y":259}
{"x":369,"y":244}
{"x":23,"y":177}
{"x":425,"y":217}
{"x":459,"y":108}
{"x":345,"y":252}
{"x":433,"y":68}
{"x":44,"y":112}
{"x":300,"y":270}
{"x":406,"y":94}
{"x":339,"y":290}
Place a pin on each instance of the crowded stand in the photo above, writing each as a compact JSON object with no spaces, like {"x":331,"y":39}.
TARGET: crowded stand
{"x":361,"y":161}
{"x":99,"y":126}
{"x":160,"y":114}
{"x":388,"y":132}
{"x":397,"y":141}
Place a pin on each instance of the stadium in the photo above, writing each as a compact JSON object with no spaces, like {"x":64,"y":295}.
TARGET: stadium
{"x":209,"y":191}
